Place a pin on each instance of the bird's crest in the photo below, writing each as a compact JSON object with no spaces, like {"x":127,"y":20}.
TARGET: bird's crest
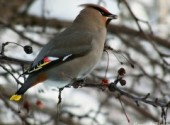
{"x":97,"y":7}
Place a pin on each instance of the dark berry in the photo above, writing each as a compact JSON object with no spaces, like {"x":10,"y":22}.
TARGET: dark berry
{"x":121,"y":71}
{"x":28,"y":49}
{"x":122,"y":82}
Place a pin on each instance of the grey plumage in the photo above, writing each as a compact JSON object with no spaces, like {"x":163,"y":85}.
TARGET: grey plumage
{"x":82,"y":43}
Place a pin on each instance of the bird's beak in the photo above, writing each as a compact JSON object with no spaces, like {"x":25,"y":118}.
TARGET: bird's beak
{"x":112,"y":16}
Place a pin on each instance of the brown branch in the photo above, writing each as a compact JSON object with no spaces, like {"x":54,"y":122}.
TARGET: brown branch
{"x":140,"y":110}
{"x":133,"y":33}
{"x":137,"y":20}
{"x":126,"y":94}
{"x":113,"y":87}
{"x":19,"y":33}
{"x":15,"y":111}
{"x":28,"y":20}
{"x":3,"y":67}
{"x":55,"y":23}
{"x":4,"y":59}
{"x":9,"y":9}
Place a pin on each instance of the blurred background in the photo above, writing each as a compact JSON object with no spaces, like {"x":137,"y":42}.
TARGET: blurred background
{"x":140,"y":36}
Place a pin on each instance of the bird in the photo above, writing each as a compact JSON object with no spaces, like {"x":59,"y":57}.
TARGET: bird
{"x":71,"y":54}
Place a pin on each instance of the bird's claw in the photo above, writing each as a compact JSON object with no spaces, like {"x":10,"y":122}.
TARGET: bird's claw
{"x":78,"y":83}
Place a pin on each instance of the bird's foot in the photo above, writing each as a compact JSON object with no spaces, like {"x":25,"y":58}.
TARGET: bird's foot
{"x":78,"y":83}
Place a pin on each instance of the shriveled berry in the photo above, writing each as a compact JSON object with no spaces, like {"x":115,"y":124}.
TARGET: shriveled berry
{"x":111,"y":87}
{"x":28,"y":49}
{"x":121,"y":71}
{"x":122,"y":82}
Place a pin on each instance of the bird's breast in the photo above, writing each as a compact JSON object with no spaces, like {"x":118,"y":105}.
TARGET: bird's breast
{"x":80,"y":67}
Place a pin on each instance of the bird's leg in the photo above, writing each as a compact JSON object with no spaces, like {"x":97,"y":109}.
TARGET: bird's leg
{"x":78,"y":82}
{"x":58,"y":104}
{"x":59,"y":95}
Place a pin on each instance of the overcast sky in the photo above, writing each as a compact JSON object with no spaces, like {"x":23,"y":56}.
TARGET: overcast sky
{"x":67,"y":9}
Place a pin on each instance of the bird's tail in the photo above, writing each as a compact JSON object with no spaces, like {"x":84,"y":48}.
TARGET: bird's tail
{"x":18,"y":95}
{"x":15,"y":97}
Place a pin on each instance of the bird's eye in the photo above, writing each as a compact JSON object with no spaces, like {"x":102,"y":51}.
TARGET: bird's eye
{"x":102,"y":13}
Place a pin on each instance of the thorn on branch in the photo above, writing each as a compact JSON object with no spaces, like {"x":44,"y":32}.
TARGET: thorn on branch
{"x":137,"y":103}
{"x":156,"y":100}
{"x":146,"y":96}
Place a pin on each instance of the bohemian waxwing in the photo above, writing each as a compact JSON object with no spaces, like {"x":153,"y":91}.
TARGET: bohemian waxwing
{"x":73,"y":53}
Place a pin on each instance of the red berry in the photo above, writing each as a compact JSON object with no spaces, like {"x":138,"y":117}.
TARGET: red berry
{"x":39,"y":104}
{"x":26,"y":105}
{"x":105,"y":81}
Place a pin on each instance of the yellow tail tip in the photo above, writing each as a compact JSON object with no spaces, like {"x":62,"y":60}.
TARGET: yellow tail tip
{"x":16,"y":97}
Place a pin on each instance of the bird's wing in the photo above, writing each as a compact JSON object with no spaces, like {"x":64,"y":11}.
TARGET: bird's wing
{"x":60,"y":50}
